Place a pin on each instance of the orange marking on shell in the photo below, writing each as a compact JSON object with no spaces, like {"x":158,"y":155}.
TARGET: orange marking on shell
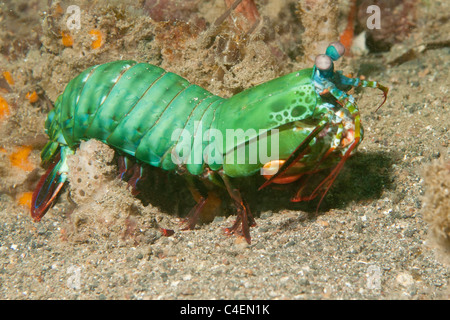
{"x":19,"y":158}
{"x":4,"y":108}
{"x":8,"y":77}
{"x":67,"y":39}
{"x":97,"y":37}
{"x":33,"y":97}
{"x":272,"y":167}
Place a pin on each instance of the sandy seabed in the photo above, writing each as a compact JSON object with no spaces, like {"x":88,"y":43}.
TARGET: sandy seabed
{"x":369,"y":239}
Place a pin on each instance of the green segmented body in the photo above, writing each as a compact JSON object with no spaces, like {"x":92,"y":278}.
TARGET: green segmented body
{"x":133,"y":107}
{"x":136,"y":108}
{"x":158,"y":118}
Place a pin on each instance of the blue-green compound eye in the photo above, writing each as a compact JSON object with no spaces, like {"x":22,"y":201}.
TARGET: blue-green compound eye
{"x":335,"y":50}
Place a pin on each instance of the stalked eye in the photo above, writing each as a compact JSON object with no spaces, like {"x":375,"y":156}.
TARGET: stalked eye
{"x":335,"y":50}
{"x":323,"y":62}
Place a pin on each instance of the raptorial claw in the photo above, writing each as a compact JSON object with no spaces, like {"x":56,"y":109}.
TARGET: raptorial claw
{"x":295,"y":156}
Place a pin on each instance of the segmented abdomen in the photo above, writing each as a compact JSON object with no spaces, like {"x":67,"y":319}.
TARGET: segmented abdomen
{"x":133,"y":107}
